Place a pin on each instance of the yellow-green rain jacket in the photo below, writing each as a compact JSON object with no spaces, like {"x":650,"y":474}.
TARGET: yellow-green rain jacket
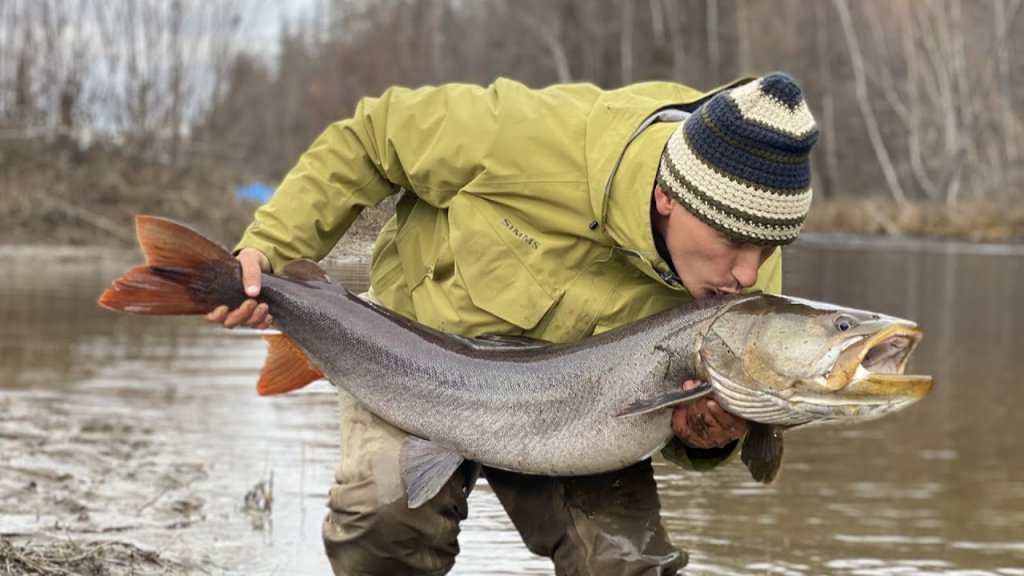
{"x":504,"y":226}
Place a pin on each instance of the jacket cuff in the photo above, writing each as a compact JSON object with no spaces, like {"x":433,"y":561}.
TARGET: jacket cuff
{"x":697,"y":459}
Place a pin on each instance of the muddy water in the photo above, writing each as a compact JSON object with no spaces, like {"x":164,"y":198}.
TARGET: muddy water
{"x":147,"y":431}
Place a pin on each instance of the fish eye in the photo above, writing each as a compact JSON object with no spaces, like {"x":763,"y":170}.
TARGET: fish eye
{"x":844,"y":323}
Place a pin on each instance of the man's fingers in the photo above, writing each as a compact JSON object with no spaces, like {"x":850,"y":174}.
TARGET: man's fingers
{"x":690,"y":384}
{"x":218,"y":315}
{"x":240,"y":314}
{"x":258,"y":315}
{"x":705,"y":424}
{"x":735,"y":425}
{"x":715,"y":427}
{"x":267,"y":322}
{"x":698,"y":428}
{"x":707,"y":430}
{"x":249,"y":313}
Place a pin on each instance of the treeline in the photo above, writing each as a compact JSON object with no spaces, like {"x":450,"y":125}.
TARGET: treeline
{"x":99,"y":101}
{"x":916,"y":101}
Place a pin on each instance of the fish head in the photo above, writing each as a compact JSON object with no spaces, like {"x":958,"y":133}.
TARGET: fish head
{"x":783,"y":360}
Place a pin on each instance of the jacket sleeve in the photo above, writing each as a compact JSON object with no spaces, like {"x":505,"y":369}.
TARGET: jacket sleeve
{"x":416,"y":140}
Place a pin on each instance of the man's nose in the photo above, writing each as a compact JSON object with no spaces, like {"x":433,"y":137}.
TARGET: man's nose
{"x":747,"y":264}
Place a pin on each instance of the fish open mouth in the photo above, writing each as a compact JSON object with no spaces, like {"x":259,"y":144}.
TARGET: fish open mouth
{"x":890,"y":354}
{"x":875,"y":367}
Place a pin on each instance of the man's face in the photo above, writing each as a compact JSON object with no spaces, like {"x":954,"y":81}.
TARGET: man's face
{"x":707,"y":261}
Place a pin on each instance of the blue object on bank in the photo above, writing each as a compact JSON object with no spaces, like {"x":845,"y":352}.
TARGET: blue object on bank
{"x":255,"y":191}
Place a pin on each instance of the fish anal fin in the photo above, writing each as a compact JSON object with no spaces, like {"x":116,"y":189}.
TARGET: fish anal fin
{"x":762,"y":452}
{"x":287,"y":368}
{"x":425,"y":468}
{"x":306,"y":270}
{"x":668,"y":400}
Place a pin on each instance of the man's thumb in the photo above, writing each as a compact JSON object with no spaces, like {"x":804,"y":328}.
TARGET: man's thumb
{"x":252,"y":262}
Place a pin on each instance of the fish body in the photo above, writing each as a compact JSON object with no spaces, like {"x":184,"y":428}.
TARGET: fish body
{"x":553,"y":409}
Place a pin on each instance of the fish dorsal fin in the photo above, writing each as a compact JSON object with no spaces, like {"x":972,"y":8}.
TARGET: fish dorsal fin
{"x":425,"y":468}
{"x":666,"y":400}
{"x":287,"y":368}
{"x":762,"y":452}
{"x":305,"y":270}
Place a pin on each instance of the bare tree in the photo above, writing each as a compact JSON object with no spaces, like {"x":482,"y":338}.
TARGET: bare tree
{"x":713,"y":35}
{"x":1010,"y":122}
{"x":679,"y":53}
{"x":626,"y":41}
{"x":864,"y":103}
{"x":543,"y":18}
{"x":828,"y":128}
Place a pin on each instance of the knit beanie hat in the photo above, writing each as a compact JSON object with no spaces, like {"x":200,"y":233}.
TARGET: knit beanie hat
{"x":741,"y":162}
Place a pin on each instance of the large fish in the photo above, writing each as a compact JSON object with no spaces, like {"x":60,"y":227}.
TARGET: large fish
{"x":555,"y":409}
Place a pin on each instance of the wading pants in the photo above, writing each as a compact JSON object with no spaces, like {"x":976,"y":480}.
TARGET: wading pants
{"x":603,"y":524}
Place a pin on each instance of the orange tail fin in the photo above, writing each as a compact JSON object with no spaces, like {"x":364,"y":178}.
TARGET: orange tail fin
{"x":185,"y":273}
{"x":287,"y":368}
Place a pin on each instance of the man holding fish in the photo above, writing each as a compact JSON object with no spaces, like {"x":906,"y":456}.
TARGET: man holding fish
{"x":552,"y":214}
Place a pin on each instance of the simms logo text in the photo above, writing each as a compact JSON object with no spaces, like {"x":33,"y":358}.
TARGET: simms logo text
{"x":526,"y":238}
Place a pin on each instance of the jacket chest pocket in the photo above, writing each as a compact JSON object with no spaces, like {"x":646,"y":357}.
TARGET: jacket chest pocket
{"x":491,"y":253}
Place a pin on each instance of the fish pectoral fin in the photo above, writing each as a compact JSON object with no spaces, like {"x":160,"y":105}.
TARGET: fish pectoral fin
{"x":425,"y":468}
{"x":762,"y":452}
{"x":287,"y":368}
{"x":666,"y":400}
{"x":306,"y":270}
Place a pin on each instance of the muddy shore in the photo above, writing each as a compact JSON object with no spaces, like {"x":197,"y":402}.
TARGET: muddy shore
{"x":59,"y":464}
{"x":117,"y":458}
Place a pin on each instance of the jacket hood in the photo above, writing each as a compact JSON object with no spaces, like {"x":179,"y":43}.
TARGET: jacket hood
{"x":621,"y":171}
{"x":627,"y":169}
{"x":628,"y":220}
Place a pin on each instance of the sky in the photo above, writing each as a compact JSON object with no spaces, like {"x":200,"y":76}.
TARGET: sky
{"x":267,"y":22}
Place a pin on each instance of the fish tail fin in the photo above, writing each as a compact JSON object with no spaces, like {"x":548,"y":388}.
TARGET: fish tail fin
{"x":185,"y":273}
{"x":287,"y":367}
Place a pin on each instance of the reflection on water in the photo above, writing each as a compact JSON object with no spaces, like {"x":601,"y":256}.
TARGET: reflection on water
{"x":935,"y":489}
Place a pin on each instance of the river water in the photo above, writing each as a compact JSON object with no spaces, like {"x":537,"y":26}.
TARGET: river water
{"x":149,"y":431}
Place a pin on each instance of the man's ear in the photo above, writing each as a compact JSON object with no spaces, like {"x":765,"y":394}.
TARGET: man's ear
{"x":663,"y":203}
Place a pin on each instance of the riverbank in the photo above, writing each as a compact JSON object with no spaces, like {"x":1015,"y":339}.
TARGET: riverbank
{"x":61,"y":223}
{"x":970,"y":221}
{"x":55,"y":194}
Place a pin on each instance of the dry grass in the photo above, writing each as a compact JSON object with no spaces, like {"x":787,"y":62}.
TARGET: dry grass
{"x":54,"y":195}
{"x":61,"y":195}
{"x":80,"y":559}
{"x":970,"y":220}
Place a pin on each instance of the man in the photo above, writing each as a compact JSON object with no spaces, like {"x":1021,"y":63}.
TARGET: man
{"x":553,"y":214}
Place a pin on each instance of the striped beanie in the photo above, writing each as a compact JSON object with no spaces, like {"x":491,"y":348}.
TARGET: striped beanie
{"x":741,"y":162}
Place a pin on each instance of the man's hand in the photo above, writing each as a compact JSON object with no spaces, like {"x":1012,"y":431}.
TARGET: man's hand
{"x":249,"y":313}
{"x":704,"y":424}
